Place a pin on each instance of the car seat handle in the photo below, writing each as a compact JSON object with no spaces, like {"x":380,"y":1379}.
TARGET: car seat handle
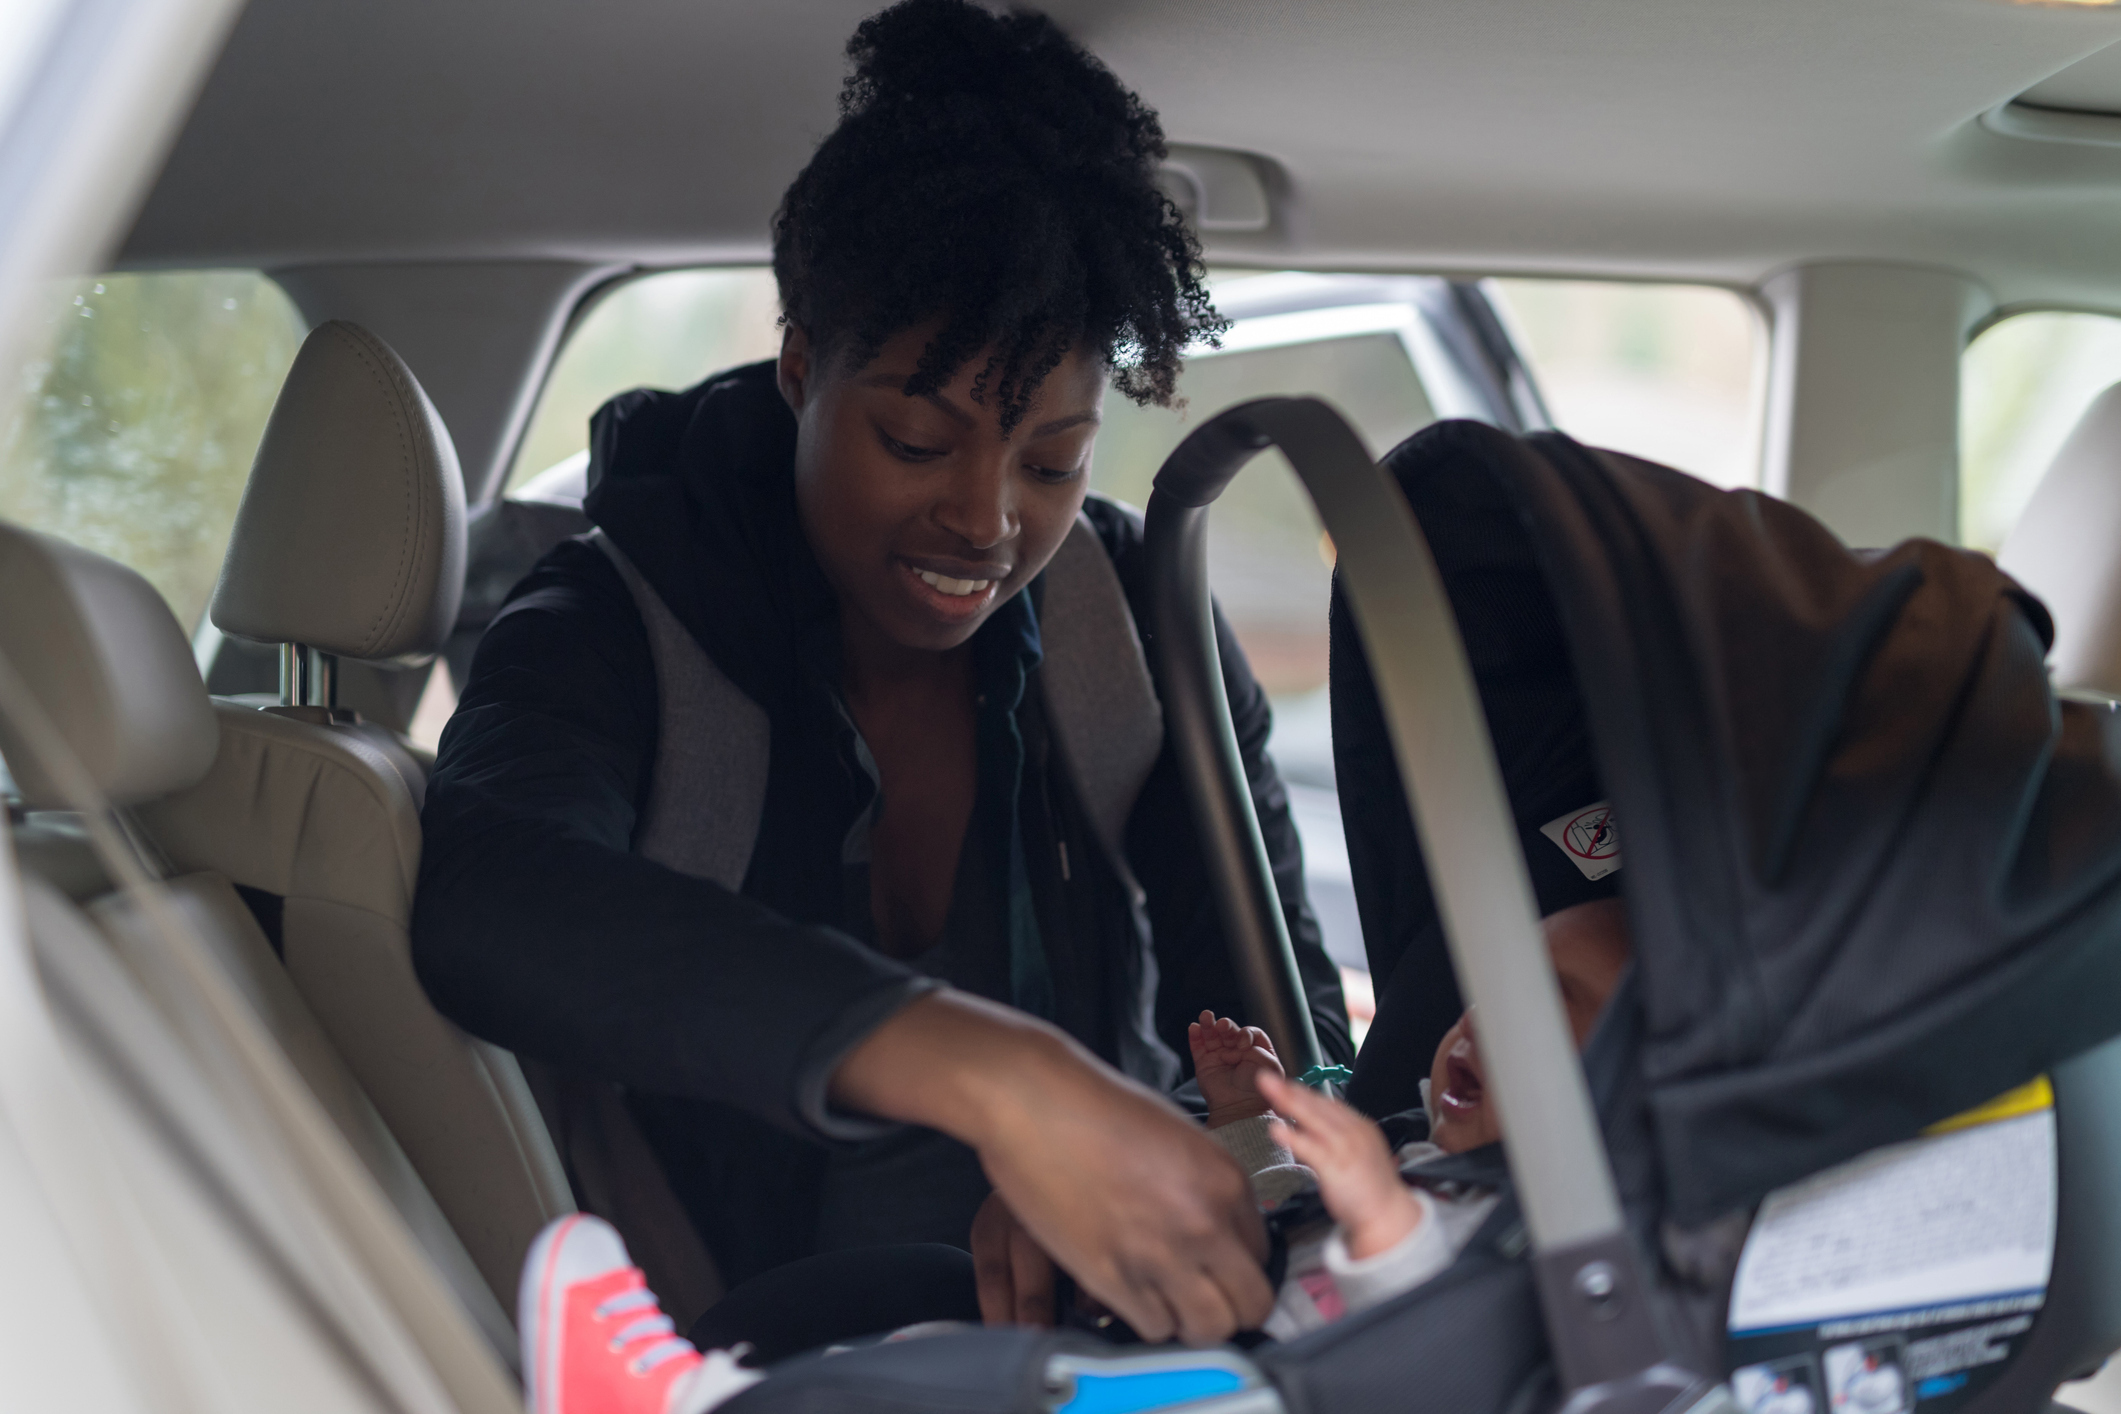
{"x":1591,"y":1285}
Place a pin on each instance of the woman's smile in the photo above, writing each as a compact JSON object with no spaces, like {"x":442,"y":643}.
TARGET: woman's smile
{"x":951,"y":593}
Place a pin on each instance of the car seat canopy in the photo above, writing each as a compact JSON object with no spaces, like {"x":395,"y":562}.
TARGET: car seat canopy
{"x":1873,"y":864}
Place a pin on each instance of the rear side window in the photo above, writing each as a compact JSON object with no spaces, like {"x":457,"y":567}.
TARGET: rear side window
{"x":1268,"y":558}
{"x":133,"y":434}
{"x":658,"y":331}
{"x":1672,"y":373}
{"x":2022,"y":386}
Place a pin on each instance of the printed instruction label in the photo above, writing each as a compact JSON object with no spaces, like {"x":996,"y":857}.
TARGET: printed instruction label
{"x":1905,"y":1277}
{"x":1590,"y":837}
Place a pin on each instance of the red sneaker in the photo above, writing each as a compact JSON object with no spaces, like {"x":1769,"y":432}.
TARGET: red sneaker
{"x":596,"y":1342}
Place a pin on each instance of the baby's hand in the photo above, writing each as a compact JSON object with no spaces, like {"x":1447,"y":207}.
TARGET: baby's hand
{"x":1227,"y":1058}
{"x":1356,"y":1175}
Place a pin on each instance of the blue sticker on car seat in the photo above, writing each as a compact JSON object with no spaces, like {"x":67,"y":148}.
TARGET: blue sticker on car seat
{"x":1142,"y":1390}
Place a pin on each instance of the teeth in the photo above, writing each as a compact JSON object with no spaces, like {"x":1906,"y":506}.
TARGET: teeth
{"x":948,"y":585}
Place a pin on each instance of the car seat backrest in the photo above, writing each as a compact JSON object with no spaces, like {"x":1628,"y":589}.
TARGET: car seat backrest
{"x":2066,"y":548}
{"x":102,"y":648}
{"x":350,"y":540}
{"x":229,"y":1253}
{"x":98,"y":652}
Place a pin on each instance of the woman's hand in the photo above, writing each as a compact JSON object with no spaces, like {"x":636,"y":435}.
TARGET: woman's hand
{"x":1014,"y":1273}
{"x":1149,"y":1214}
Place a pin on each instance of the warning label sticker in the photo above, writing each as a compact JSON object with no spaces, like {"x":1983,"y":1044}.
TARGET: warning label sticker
{"x":1902,"y":1278}
{"x":1590,"y":837}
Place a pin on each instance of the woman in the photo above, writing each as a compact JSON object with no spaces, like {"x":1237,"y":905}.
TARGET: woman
{"x":919,"y":989}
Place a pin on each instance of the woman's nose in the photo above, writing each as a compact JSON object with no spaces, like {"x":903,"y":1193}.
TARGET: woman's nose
{"x":977,"y":506}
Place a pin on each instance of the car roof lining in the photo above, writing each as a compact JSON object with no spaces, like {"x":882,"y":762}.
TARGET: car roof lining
{"x":1633,"y":138}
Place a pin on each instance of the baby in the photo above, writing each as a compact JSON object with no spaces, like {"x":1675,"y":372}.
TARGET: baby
{"x":1389,"y":1234}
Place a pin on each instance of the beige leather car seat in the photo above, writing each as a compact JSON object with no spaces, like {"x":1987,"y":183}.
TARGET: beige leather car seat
{"x":2066,"y":548}
{"x":349,"y":541}
{"x":207,"y":1033}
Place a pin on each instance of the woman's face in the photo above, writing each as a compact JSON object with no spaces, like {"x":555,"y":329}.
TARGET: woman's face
{"x":1589,"y":944}
{"x":923,"y":515}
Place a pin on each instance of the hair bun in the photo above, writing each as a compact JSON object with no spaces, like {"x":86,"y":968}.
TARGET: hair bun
{"x":1019,"y":67}
{"x":990,"y":177}
{"x":928,"y":50}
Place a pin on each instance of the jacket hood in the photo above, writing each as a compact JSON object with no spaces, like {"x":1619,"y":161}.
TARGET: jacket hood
{"x":1873,"y":864}
{"x":698,"y":489}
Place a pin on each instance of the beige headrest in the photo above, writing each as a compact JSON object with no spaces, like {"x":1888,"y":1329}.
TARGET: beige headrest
{"x":2066,"y":548}
{"x":351,"y":533}
{"x":105,"y":659}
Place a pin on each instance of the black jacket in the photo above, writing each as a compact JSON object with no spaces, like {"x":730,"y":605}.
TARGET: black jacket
{"x":724,"y":1013}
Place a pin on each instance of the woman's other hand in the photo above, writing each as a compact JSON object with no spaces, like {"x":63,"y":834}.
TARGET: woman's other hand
{"x":1015,"y":1275}
{"x":1149,"y":1215}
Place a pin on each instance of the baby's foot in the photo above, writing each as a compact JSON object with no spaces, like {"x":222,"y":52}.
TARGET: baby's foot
{"x":1227,"y":1060}
{"x":596,"y":1342}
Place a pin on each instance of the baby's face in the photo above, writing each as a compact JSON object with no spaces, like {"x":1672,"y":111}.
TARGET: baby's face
{"x":1589,"y":945}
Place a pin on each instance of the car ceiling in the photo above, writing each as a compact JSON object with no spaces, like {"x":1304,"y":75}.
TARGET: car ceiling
{"x":1718,"y":139}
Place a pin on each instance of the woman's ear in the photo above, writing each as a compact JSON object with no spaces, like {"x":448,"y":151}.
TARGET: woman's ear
{"x":792,"y":371}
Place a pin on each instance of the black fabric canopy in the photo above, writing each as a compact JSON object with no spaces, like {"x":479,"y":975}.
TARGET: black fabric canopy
{"x":1872,"y":864}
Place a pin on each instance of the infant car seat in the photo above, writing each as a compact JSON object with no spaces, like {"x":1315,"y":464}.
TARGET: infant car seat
{"x":1874,"y":881}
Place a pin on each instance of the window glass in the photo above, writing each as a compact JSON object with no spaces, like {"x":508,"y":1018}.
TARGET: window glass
{"x":133,"y":434}
{"x":1670,"y":373}
{"x":659,"y":331}
{"x":1267,"y":556}
{"x":1269,"y":560}
{"x":2022,"y":386}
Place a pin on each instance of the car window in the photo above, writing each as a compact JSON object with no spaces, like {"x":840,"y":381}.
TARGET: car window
{"x":1267,"y":557}
{"x":1269,"y":560}
{"x":132,"y":434}
{"x":2022,"y":386}
{"x":1672,"y":373}
{"x":668,"y":330}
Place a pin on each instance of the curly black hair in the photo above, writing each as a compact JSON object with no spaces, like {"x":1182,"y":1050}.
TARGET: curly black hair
{"x":989,"y":172}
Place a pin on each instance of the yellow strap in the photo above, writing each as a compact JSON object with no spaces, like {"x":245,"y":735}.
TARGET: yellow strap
{"x":2030,"y":1098}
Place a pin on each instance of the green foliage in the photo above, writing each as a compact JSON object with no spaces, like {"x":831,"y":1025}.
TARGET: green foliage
{"x":134,"y":434}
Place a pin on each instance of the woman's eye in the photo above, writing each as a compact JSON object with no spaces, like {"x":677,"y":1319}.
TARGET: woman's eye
{"x":1053,"y":475}
{"x":906,"y":451}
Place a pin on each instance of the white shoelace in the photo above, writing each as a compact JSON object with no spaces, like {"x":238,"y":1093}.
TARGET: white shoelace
{"x":651,"y":1324}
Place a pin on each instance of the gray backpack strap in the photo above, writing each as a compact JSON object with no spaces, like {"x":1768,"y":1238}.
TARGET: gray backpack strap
{"x":1108,"y":727}
{"x":708,"y":790}
{"x":1103,"y":706}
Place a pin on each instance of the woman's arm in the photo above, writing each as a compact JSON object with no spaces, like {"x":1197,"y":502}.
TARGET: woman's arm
{"x":536,"y":927}
{"x":1126,"y":1193}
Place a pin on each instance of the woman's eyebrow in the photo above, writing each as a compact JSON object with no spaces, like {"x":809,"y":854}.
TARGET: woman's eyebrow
{"x":1062,"y":424}
{"x":897,"y":383}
